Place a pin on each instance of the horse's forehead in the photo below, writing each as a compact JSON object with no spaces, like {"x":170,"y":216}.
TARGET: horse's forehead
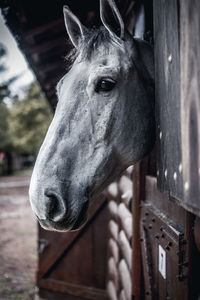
{"x":111,"y":56}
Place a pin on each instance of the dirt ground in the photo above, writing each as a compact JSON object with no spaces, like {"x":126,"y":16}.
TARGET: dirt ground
{"x":18,"y":238}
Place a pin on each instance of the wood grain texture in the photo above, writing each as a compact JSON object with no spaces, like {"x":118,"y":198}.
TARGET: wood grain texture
{"x":75,"y":290}
{"x":177,"y":90}
{"x":52,"y":253}
{"x":167,"y":92}
{"x":190,"y":102}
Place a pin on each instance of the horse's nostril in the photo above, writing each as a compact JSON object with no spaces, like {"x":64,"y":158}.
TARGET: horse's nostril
{"x":55,"y":207}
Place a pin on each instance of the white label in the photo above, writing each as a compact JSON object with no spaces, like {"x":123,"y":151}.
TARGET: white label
{"x":162,"y":261}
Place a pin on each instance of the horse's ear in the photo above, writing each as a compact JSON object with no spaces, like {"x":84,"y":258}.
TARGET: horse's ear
{"x":111,"y":18}
{"x":75,"y":29}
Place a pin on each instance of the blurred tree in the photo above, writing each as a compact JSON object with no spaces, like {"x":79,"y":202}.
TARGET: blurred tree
{"x":5,"y":85}
{"x":29,"y":121}
{"x":5,"y":142}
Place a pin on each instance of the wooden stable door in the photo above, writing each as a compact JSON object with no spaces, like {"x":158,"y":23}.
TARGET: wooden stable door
{"x":165,"y":244}
{"x":74,"y":265}
{"x":169,"y":196}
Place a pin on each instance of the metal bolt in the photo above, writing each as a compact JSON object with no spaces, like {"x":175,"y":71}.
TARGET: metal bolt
{"x":157,"y":236}
{"x":147,"y":293}
{"x":163,"y":236}
{"x":170,"y":58}
{"x":150,"y":226}
{"x":175,"y":175}
{"x":153,"y":219}
{"x":167,"y":247}
{"x":161,"y":228}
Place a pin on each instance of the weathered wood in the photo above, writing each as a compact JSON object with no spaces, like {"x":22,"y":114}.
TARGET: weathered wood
{"x":163,"y":202}
{"x":125,"y":278}
{"x":167,"y":92}
{"x":125,"y":249}
{"x":177,"y":77}
{"x":160,"y":233}
{"x":52,"y":295}
{"x":190,"y":103}
{"x":138,"y":194}
{"x":73,"y":289}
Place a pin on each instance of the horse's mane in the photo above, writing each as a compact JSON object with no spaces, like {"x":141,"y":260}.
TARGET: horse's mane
{"x":93,"y":39}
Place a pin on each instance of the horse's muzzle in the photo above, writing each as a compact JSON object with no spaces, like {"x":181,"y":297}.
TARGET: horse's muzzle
{"x":60,"y":217}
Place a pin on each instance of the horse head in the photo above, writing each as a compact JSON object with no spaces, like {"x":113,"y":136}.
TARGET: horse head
{"x":103,"y":123}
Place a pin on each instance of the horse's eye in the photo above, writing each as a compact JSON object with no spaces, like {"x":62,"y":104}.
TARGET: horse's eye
{"x":105,"y":85}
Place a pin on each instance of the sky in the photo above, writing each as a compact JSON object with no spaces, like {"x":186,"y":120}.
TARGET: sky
{"x":15,"y":62}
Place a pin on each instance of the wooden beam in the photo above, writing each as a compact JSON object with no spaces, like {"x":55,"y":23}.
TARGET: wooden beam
{"x":138,"y":195}
{"x":72,"y":289}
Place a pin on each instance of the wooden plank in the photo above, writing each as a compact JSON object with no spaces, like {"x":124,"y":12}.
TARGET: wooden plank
{"x":159,"y":232}
{"x":190,"y":103}
{"x":163,"y":202}
{"x":31,"y":33}
{"x":167,"y":92}
{"x":99,"y":247}
{"x":177,"y":77}
{"x":73,"y":289}
{"x":138,"y":194}
{"x":52,"y":295}
{"x":52,"y":253}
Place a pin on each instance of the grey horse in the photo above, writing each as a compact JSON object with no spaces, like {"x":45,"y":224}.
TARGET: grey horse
{"x":104,"y":120}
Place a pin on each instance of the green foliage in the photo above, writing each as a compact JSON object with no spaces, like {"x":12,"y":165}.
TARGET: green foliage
{"x":29,"y":121}
{"x":5,"y":141}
